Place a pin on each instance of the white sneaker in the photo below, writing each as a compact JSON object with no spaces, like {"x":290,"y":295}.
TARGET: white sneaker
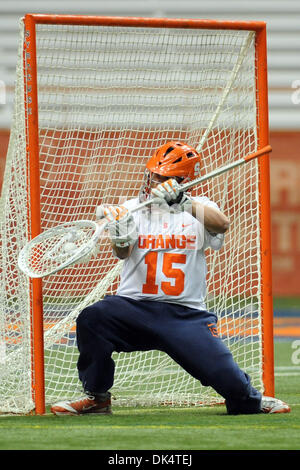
{"x":273,"y":405}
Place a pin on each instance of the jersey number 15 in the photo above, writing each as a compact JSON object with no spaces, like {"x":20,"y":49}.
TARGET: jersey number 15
{"x":174,"y":288}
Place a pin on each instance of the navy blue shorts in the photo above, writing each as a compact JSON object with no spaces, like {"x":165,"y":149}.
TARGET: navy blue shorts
{"x":188,"y":336}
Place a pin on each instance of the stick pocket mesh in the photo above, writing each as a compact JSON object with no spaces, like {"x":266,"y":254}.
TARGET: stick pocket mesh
{"x":58,"y":247}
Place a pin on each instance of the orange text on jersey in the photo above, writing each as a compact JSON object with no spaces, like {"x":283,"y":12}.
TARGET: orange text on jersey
{"x":167,"y":241}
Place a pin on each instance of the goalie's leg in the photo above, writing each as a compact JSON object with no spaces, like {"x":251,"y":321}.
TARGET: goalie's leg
{"x":205,"y":356}
{"x":113,"y":324}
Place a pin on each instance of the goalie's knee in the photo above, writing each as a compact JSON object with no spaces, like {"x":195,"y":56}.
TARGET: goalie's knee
{"x":89,"y":316}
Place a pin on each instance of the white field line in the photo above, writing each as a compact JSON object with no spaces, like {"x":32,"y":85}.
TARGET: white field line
{"x":287,"y":371}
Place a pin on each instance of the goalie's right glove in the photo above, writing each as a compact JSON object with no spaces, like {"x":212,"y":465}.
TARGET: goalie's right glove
{"x":121,"y":225}
{"x":166,"y":192}
{"x":169,"y":192}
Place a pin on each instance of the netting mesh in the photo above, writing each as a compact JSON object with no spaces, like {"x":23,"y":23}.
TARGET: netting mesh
{"x":109,"y":96}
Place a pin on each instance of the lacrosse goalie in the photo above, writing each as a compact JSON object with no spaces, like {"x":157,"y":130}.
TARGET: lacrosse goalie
{"x":160,"y":301}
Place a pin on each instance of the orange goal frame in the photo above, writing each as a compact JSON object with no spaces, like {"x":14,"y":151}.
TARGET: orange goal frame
{"x":32,"y":149}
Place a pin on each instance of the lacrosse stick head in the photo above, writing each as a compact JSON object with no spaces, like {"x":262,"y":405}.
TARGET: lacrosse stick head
{"x":58,"y":248}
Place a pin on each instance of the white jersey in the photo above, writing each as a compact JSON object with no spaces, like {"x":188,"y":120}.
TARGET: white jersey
{"x":167,"y":263}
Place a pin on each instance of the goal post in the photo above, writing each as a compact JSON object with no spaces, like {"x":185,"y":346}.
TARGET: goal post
{"x":94,"y":97}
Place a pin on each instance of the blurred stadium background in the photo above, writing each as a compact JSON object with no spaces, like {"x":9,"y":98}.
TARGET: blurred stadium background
{"x":283,"y":20}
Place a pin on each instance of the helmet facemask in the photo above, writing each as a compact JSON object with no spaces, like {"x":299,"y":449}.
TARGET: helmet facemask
{"x":145,"y":191}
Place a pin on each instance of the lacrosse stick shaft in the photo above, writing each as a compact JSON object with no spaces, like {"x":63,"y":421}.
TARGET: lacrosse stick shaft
{"x":225,"y":168}
{"x":218,"y":171}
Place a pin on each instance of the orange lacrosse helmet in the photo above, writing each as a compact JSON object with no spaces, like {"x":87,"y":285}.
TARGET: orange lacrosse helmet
{"x":176,"y":159}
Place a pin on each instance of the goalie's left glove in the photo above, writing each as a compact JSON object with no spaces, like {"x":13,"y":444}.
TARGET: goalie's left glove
{"x":121,"y":225}
{"x":169,"y":192}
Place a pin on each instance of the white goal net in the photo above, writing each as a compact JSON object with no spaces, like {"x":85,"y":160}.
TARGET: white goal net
{"x":108,"y":96}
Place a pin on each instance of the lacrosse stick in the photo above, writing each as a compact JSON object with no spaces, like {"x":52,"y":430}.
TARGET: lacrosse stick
{"x":68,"y":243}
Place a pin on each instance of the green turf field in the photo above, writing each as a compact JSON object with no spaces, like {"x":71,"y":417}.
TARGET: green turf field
{"x":167,"y":428}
